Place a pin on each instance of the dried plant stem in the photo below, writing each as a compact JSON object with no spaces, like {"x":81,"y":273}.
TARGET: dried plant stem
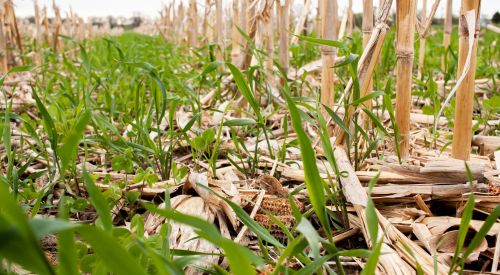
{"x":181,"y":13}
{"x":206,"y":31}
{"x":219,"y":30}
{"x":3,"y":43}
{"x":367,"y":30}
{"x":193,"y":24}
{"x":350,"y":18}
{"x":250,"y":15}
{"x":367,"y":21}
{"x":319,"y":18}
{"x":283,"y":23}
{"x":389,"y":260}
{"x":302,"y":20}
{"x":447,"y":29}
{"x":243,"y":15}
{"x":367,"y":62}
{"x":462,"y":130}
{"x":405,"y":31}
{"x":57,"y":26}
{"x":269,"y":40}
{"x":45,"y":25}
{"x":343,"y":24}
{"x":235,"y":35}
{"x":421,"y":52}
{"x":423,"y":30}
{"x":11,"y":17}
{"x":38,"y":34}
{"x":328,"y":54}
{"x":251,"y":25}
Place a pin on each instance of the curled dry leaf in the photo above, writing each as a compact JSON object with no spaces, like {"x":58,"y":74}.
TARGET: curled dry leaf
{"x":153,"y":222}
{"x":272,"y":186}
{"x":445,"y":244}
{"x":196,"y":181}
{"x":183,"y":236}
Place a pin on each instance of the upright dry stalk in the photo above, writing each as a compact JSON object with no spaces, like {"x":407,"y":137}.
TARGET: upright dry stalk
{"x":251,"y":24}
{"x":462,"y":130}
{"x":405,"y":32}
{"x":38,"y":34}
{"x":235,"y":35}
{"x":57,"y":26}
{"x":162,"y":25}
{"x":421,"y":52}
{"x":269,"y":40}
{"x":367,"y":21}
{"x":244,"y":5}
{"x":367,"y":62}
{"x":3,"y":43}
{"x":219,"y":30}
{"x":301,"y":22}
{"x":350,"y":18}
{"x":367,"y":31}
{"x":206,"y":31}
{"x":447,"y":29}
{"x":250,"y":16}
{"x":343,"y":24}
{"x":283,"y":23}
{"x":329,"y":14}
{"x":193,"y":24}
{"x":319,"y":17}
{"x":45,"y":25}
{"x":179,"y":19}
{"x":74,"y":24}
{"x":10,"y":16}
{"x":81,"y":29}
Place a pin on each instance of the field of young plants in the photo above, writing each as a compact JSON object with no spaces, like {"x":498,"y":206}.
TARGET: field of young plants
{"x":169,"y":152}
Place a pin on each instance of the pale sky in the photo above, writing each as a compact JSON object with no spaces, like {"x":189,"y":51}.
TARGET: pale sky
{"x":87,"y":8}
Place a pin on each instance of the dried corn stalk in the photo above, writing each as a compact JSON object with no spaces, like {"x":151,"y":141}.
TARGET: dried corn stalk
{"x":405,"y":22}
{"x":367,"y":62}
{"x":328,"y":54}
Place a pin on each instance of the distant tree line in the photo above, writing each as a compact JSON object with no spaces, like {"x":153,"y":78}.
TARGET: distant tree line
{"x":113,"y":22}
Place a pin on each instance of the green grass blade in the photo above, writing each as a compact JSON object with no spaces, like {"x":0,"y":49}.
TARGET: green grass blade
{"x":110,"y":251}
{"x":98,"y":201}
{"x":313,"y":267}
{"x":305,"y":227}
{"x":371,"y":264}
{"x":245,"y":90}
{"x":314,"y":183}
{"x":371,"y":213}
{"x":239,"y":258}
{"x":239,"y":122}
{"x":19,"y":243}
{"x":481,"y":234}
{"x":338,"y":121}
{"x":68,"y":150}
{"x":325,"y":42}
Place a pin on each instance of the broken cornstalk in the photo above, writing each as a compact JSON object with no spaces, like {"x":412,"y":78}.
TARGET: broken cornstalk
{"x":405,"y":30}
{"x":462,"y":130}
{"x":421,"y":52}
{"x":367,"y":62}
{"x":328,"y":54}
{"x":235,"y":35}
{"x":283,"y":23}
